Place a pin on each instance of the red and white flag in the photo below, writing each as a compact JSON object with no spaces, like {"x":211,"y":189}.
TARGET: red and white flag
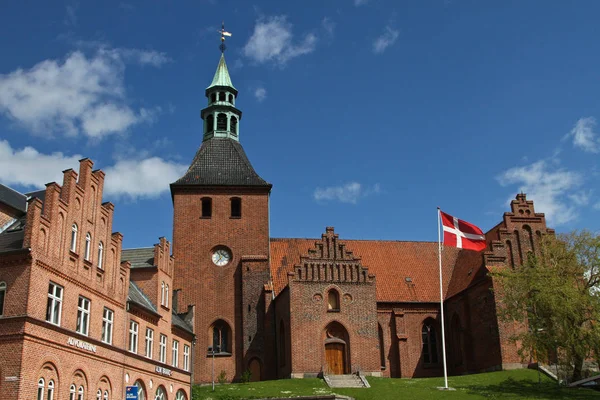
{"x":461,"y":234}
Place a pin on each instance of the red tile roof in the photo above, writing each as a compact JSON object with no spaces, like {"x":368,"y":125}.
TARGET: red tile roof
{"x":391,"y":262}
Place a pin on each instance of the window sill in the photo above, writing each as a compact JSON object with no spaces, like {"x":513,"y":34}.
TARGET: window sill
{"x":205,"y":217}
{"x":337,"y":310}
{"x":87,"y":263}
{"x":164,"y":307}
{"x":240,"y":217}
{"x":222,"y":354}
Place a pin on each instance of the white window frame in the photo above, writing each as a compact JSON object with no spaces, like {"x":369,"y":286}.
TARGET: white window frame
{"x":80,"y":393}
{"x":54,"y":307}
{"x":108,"y":317}
{"x":99,"y":394}
{"x":50,"y":389}
{"x":175,"y":354}
{"x":167,"y":295}
{"x":74,"y":230}
{"x":162,"y":293}
{"x":106,"y":395}
{"x":40,"y":391}
{"x":100,"y":255}
{"x":162,"y":354}
{"x":88,"y":245}
{"x":84,"y":306}
{"x":72,"y":392}
{"x":186,"y":357}
{"x":149,"y":342}
{"x":133,"y":336}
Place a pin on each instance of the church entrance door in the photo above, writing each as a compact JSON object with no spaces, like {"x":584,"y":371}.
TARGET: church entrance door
{"x":334,"y":356}
{"x":254,"y":368}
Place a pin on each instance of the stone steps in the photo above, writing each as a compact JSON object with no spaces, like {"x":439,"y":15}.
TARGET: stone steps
{"x":345,"y":381}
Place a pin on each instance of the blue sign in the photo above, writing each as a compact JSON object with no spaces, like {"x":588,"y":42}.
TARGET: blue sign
{"x":131,"y":393}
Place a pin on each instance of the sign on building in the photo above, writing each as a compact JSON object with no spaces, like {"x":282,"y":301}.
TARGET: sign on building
{"x":131,"y":393}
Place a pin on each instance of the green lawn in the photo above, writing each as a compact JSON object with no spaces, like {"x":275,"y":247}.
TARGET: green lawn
{"x":518,"y":384}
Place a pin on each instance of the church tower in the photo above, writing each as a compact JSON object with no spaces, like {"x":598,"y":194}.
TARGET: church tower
{"x":221,"y":243}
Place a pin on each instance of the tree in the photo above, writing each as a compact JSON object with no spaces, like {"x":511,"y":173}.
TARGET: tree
{"x":555,"y":295}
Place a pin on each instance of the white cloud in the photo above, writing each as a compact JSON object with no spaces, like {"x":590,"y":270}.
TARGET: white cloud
{"x":360,"y":2}
{"x":387,"y":38}
{"x":134,"y":179}
{"x":260,"y":93}
{"x":348,"y":193}
{"x":553,"y":189}
{"x":272,"y":41}
{"x":328,"y":25}
{"x":584,"y":136}
{"x":79,"y":95}
{"x":141,"y":178}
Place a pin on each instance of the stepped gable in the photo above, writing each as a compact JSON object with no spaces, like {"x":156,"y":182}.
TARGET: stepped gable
{"x":221,"y":162}
{"x":404,"y":271}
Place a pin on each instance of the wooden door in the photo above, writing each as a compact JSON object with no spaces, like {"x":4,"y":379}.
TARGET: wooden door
{"x":335,"y":358}
{"x":255,"y":370}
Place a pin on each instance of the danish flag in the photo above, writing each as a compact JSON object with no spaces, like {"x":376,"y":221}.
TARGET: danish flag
{"x":461,"y":234}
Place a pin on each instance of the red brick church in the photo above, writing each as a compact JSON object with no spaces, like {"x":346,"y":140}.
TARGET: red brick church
{"x":285,"y":307}
{"x":277,"y":307}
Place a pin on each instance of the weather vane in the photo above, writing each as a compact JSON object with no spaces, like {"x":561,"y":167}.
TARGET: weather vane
{"x":223,"y":34}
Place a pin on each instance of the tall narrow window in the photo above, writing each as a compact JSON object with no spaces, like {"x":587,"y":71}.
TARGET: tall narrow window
{"x":236,"y":207}
{"x":88,"y":244}
{"x":230,"y":98}
{"x":429,"y":352}
{"x":333,"y":300}
{"x":381,"y":347}
{"x":50,"y":390}
{"x":99,"y":394}
{"x":83,"y":315}
{"x":72,"y":392}
{"x":221,"y":96}
{"x":149,"y":342}
{"x":167,"y":295}
{"x":2,"y":296}
{"x":220,"y":337}
{"x":206,"y":207}
{"x":133,"y":336}
{"x":233,"y":124}
{"x":213,"y":97}
{"x":40,"y":391}
{"x":105,"y":395}
{"x":186,"y":357}
{"x":80,"y":393}
{"x":175,"y":354}
{"x":221,"y":122}
{"x":74,"y":238}
{"x":162,"y":293}
{"x":107,"y":325}
{"x":162,"y":349}
{"x":100,"y":255}
{"x":54,"y":308}
{"x":210,"y":123}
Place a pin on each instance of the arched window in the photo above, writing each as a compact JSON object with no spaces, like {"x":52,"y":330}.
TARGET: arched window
{"x":88,"y":244}
{"x":333,"y":300}
{"x":40,"y":391}
{"x":210,"y":123}
{"x":381,"y":347}
{"x":221,"y":96}
{"x":161,"y":394}
{"x":72,"y":392}
{"x":221,"y":122}
{"x":221,"y":336}
{"x":99,"y":395}
{"x":100,"y":255}
{"x":162,"y":293}
{"x":180,"y":395}
{"x":80,"y":393}
{"x":141,"y":390}
{"x":429,"y":350}
{"x":233,"y":124}
{"x":2,"y":296}
{"x":105,"y":395}
{"x":74,"y":238}
{"x":206,"y":207}
{"x":213,"y":97}
{"x":236,"y":207}
{"x":51,"y":390}
{"x":167,"y":296}
{"x":230,"y":97}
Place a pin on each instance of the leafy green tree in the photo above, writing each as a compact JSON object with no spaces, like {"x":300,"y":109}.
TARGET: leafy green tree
{"x":555,"y":294}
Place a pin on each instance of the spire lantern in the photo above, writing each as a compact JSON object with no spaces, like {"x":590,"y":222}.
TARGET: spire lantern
{"x":221,"y":118}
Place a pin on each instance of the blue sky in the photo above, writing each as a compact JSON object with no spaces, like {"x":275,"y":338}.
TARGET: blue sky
{"x":364,"y":114}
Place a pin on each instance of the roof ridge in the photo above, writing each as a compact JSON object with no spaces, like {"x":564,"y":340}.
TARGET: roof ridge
{"x":361,"y":240}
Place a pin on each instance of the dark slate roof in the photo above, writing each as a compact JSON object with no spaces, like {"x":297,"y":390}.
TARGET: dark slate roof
{"x":12,"y":198}
{"x":221,"y":161}
{"x":179,"y":322}
{"x":139,"y":258}
{"x":137,"y":296}
{"x":12,"y":237}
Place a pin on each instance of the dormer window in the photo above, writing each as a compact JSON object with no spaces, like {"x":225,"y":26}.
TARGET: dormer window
{"x":74,"y":238}
{"x":206,"y":207}
{"x":236,"y":207}
{"x":88,"y":243}
{"x":221,"y":122}
{"x":233,"y":124}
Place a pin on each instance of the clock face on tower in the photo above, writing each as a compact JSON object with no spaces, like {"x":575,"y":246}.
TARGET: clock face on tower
{"x":221,"y":257}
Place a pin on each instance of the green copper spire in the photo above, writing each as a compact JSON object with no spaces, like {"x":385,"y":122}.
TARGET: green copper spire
{"x":221,"y":77}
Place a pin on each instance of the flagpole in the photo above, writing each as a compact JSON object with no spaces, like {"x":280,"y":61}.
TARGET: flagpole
{"x":442,"y":301}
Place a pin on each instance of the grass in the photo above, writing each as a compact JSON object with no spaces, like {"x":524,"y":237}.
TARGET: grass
{"x":517,"y":384}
